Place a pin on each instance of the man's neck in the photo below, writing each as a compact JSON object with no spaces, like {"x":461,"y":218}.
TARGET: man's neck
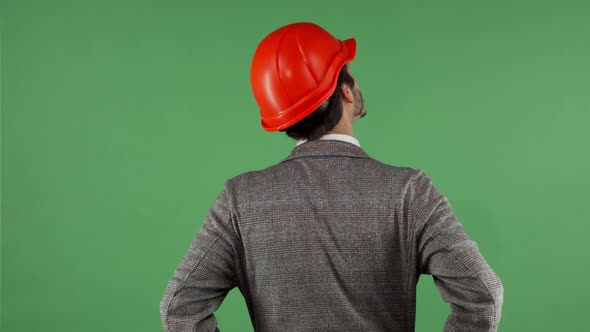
{"x":342,"y":129}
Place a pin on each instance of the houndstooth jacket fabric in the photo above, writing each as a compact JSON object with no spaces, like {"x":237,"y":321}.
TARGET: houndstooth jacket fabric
{"x":330,"y":239}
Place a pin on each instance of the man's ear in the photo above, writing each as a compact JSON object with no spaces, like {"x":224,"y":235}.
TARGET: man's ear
{"x":346,"y":93}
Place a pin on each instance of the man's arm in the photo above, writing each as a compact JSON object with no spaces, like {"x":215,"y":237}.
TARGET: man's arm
{"x":205,"y":275}
{"x":462,"y":275}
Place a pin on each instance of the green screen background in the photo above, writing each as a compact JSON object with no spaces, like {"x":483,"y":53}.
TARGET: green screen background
{"x":121,"y":121}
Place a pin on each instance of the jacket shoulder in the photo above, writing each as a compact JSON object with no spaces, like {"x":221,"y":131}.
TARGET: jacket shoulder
{"x":253,"y":177}
{"x":278,"y":173}
{"x":405,"y":172}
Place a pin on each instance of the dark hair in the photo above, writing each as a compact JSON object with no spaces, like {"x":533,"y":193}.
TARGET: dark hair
{"x":325,"y":117}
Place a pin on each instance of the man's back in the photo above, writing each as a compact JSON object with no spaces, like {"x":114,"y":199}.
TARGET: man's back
{"x":330,"y":239}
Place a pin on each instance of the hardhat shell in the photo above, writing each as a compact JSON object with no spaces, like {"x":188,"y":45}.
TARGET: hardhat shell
{"x":294,"y":70}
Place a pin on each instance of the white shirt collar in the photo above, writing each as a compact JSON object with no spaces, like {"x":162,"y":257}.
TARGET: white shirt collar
{"x":341,"y":137}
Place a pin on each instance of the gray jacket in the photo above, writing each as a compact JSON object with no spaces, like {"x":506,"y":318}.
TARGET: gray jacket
{"x":330,"y":239}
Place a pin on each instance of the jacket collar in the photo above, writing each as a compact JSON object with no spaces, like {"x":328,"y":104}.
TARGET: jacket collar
{"x":341,"y":137}
{"x":322,"y":148}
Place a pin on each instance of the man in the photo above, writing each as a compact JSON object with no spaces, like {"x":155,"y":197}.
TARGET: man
{"x":328,"y":239}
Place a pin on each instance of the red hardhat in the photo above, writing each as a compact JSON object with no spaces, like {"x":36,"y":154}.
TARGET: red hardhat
{"x":294,"y":70}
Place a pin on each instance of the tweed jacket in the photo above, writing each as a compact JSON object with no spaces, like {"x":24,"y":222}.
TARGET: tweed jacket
{"x":330,"y":239}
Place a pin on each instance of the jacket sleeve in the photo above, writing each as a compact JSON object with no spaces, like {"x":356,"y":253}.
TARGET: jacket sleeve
{"x":205,"y":275}
{"x":461,"y":274}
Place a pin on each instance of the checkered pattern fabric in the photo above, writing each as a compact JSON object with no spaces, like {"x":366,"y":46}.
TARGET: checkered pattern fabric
{"x":330,"y":239}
